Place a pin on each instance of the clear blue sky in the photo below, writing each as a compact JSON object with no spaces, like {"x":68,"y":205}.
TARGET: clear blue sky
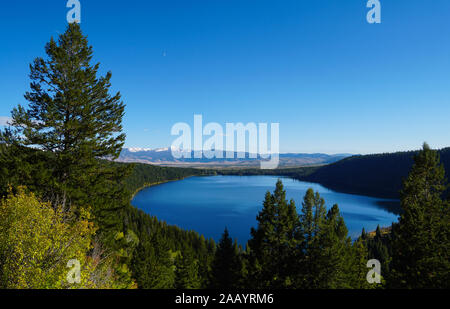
{"x":334,"y":82}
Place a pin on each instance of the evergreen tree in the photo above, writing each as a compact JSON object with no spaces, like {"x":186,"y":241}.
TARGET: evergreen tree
{"x":363,"y":234}
{"x":186,"y":273}
{"x":273,"y":243}
{"x":326,"y":258}
{"x":356,"y":270}
{"x":379,"y":247}
{"x":227,"y":266}
{"x":312,"y":223}
{"x":420,"y":247}
{"x":336,"y":251}
{"x":70,"y":125}
{"x":153,"y":263}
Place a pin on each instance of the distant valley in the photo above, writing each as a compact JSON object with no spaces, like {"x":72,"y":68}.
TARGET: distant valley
{"x":164,"y":157}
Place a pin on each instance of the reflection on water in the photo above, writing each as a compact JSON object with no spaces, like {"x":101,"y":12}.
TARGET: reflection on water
{"x":392,"y":206}
{"x":209,"y":204}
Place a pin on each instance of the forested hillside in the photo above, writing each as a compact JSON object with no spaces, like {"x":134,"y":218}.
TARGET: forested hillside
{"x":379,"y":175}
{"x":296,"y":173}
{"x":166,"y":256}
{"x":143,"y":175}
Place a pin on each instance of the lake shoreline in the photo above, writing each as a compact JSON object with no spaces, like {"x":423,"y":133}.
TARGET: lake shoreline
{"x":381,"y":197}
{"x":154,"y":184}
{"x":228,"y":201}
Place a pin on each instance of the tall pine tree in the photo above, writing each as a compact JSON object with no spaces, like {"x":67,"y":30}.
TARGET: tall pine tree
{"x":274,"y":242}
{"x":312,"y":224}
{"x":326,"y":258}
{"x":186,"y":271}
{"x":421,"y":245}
{"x":227,"y":267}
{"x":71,"y":124}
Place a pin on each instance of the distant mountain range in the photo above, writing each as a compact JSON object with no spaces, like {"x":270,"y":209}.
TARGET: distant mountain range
{"x":164,"y":157}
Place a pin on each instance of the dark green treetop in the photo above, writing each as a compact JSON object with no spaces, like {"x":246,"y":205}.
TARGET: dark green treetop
{"x":421,"y":249}
{"x":227,"y":267}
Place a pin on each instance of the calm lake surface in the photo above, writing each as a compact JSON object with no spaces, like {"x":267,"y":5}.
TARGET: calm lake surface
{"x":209,"y":204}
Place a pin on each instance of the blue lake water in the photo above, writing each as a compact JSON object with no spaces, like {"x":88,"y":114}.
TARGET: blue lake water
{"x":209,"y":204}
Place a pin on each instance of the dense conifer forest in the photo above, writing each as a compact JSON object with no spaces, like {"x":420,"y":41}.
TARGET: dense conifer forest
{"x":379,"y":175}
{"x":143,"y":175}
